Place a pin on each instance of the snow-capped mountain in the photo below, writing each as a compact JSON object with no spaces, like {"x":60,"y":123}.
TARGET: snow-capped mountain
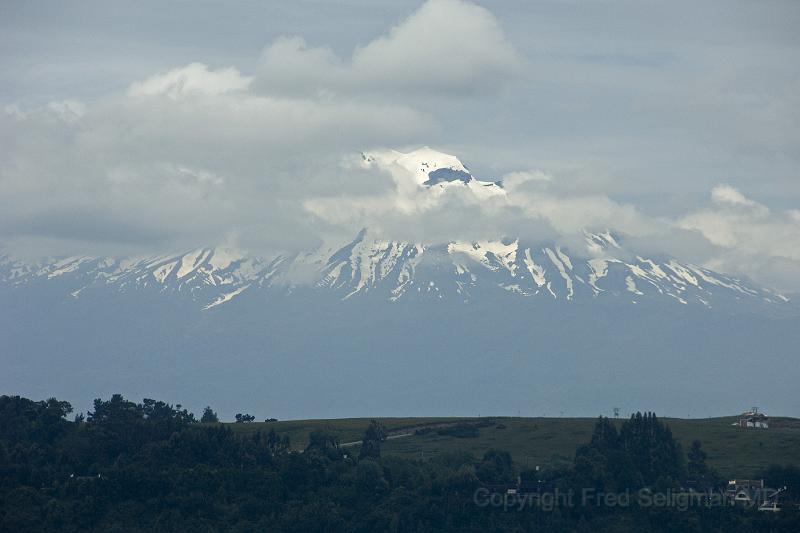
{"x":602,"y":268}
{"x":393,"y":271}
{"x":376,"y":327}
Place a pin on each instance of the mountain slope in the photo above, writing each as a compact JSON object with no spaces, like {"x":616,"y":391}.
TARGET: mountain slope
{"x":600,"y":268}
{"x":376,"y":327}
{"x":393,"y":271}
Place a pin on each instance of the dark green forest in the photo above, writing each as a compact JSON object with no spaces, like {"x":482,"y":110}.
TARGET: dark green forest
{"x":151,"y":466}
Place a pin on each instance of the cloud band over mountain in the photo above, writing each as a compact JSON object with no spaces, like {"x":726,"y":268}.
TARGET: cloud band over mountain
{"x":267,"y":155}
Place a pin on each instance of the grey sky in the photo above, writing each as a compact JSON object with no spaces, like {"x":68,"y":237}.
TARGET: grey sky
{"x":637,"y":110}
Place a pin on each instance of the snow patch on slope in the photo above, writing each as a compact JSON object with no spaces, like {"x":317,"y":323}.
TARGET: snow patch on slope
{"x":537,"y":272}
{"x":191,"y":261}
{"x":561,"y":270}
{"x":226,"y":297}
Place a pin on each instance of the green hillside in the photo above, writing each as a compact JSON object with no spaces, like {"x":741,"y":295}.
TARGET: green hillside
{"x":734,"y":451}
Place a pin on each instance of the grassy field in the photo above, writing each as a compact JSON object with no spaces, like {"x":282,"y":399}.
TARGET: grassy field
{"x":735,"y":452}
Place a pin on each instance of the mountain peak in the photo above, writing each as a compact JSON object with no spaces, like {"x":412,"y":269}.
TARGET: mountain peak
{"x":420,"y":164}
{"x":431,"y":169}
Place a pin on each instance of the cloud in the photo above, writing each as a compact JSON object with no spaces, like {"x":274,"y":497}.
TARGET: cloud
{"x":409,"y":210}
{"x":194,"y":78}
{"x":725,"y":194}
{"x":268,"y":156}
{"x":446,"y":45}
{"x":195,"y":154}
{"x":521,"y":176}
{"x":748,"y":237}
{"x":67,"y":111}
{"x":185,"y":165}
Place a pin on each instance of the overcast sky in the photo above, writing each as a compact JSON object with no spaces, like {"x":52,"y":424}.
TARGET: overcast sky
{"x":134,"y":126}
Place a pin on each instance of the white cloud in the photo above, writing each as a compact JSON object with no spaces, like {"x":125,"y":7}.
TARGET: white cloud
{"x":194,"y":78}
{"x":751,"y":239}
{"x":410,"y":211}
{"x":446,"y":45}
{"x":521,"y":176}
{"x":194,"y":155}
{"x":725,"y":194}
{"x":184,"y":171}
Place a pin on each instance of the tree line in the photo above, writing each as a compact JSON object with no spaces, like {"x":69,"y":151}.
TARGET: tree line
{"x":150,"y":466}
